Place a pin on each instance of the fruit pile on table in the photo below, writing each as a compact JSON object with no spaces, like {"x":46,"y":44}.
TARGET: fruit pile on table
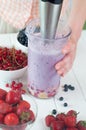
{"x":14,"y":110}
{"x":64,"y":121}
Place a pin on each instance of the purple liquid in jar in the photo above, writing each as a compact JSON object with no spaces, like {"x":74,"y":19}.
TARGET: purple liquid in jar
{"x":43,"y":78}
{"x":43,"y":54}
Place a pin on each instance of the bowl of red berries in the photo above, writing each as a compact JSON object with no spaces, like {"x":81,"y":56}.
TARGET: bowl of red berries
{"x":13,"y":63}
{"x":17,"y":111}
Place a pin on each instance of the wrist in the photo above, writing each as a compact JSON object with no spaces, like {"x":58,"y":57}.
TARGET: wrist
{"x":76,"y":29}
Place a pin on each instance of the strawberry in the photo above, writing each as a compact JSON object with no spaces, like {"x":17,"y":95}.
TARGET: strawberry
{"x":57,"y":125}
{"x":49,"y":119}
{"x":24,"y":112}
{"x":11,"y":119}
{"x":1,"y":118}
{"x":5,"y":108}
{"x":72,"y":113}
{"x":1,"y":101}
{"x":23,"y":106}
{"x":27,"y":116}
{"x":81,"y":125}
{"x":32,"y":116}
{"x":2,"y":94}
{"x":70,"y":121}
{"x":60,"y":116}
{"x":71,"y":128}
{"x":13,"y":97}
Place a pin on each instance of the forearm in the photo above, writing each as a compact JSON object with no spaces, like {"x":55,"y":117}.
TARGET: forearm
{"x":77,"y":18}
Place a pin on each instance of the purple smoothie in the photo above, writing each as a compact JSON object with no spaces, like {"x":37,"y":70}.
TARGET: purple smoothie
{"x":42,"y":75}
{"x":43,"y":54}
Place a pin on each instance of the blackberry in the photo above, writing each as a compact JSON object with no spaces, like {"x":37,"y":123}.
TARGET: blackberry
{"x":22,"y":37}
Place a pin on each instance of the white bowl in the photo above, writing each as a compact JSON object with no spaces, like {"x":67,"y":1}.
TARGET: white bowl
{"x":14,"y":74}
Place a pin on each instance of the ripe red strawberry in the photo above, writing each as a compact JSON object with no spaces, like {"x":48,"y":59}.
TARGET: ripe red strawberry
{"x":60,"y":116}
{"x":1,"y":118}
{"x":81,"y":125}
{"x":71,"y":128}
{"x":72,"y":113}
{"x":27,"y":116}
{"x":57,"y":125}
{"x":23,"y":106}
{"x":5,"y":108}
{"x":1,"y":101}
{"x":13,"y":97}
{"x":49,"y":119}
{"x":11,"y":119}
{"x":2,"y":94}
{"x":32,"y":116}
{"x":70,"y":121}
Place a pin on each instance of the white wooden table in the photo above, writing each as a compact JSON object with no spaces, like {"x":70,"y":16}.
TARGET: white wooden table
{"x":76,"y":99}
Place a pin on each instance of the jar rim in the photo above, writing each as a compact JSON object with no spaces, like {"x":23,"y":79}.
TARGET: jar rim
{"x":30,"y":33}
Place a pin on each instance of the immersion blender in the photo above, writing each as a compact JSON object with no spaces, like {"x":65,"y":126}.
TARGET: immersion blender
{"x":49,"y":16}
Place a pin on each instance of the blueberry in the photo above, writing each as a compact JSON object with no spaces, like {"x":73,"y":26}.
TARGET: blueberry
{"x":54,"y":111}
{"x":61,"y":98}
{"x":22,"y":38}
{"x":65,"y":104}
{"x":65,"y":87}
{"x":71,"y":87}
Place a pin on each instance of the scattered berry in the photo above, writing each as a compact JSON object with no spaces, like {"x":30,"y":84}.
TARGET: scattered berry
{"x":16,"y":86}
{"x":65,"y":104}
{"x":65,"y":87}
{"x":54,"y":111}
{"x":71,"y":87}
{"x":61,"y":98}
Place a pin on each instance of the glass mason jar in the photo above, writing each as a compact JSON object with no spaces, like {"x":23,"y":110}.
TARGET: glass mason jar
{"x":43,"y":54}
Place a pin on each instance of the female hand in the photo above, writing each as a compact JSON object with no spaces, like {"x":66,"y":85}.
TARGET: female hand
{"x":66,"y":63}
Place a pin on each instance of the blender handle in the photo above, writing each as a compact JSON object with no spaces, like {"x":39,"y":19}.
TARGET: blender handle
{"x":54,"y":1}
{"x":49,"y":16}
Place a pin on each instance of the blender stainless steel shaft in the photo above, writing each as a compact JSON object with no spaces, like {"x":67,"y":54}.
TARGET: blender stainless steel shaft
{"x":49,"y":16}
